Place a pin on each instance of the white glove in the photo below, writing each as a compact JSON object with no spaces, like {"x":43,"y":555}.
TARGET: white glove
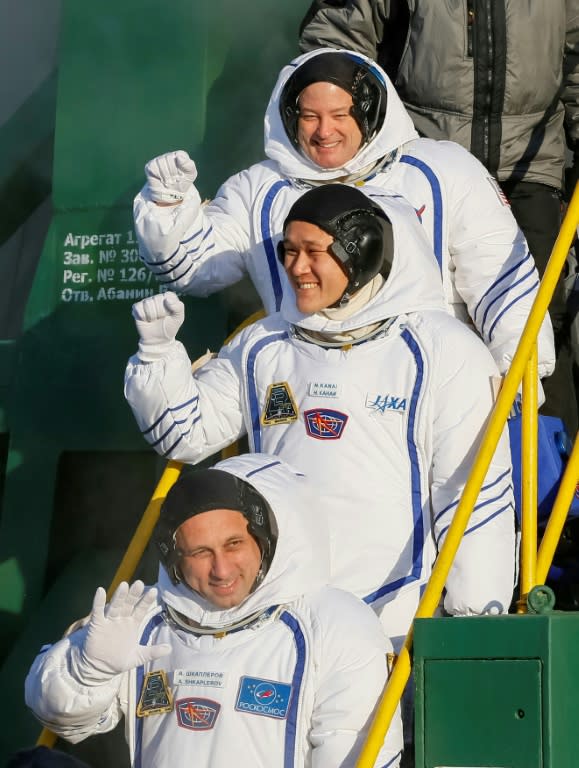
{"x":111,"y":645}
{"x":158,"y":318}
{"x":169,"y":176}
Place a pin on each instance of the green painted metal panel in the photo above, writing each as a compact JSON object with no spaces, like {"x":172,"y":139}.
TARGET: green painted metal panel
{"x":131,"y":75}
{"x":497,"y":691}
{"x":89,"y":275}
{"x":490,"y":709}
{"x":135,"y":79}
{"x":69,"y":390}
{"x":27,"y":141}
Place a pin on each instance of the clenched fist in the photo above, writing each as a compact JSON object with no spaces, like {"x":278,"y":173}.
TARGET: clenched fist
{"x":158,"y":318}
{"x":169,"y":176}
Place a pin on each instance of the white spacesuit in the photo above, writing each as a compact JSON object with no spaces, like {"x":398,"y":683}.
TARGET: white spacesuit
{"x":489,"y":277}
{"x":288,"y":678}
{"x":382,"y":402}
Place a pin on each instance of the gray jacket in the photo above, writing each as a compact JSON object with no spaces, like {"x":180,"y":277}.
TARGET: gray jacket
{"x":500,"y":77}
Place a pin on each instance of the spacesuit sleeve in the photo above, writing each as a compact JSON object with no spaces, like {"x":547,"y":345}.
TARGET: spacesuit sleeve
{"x":495,"y":273}
{"x":481,"y":579}
{"x":186,"y":416}
{"x":193,"y":248}
{"x":66,"y":706}
{"x":352,"y":672}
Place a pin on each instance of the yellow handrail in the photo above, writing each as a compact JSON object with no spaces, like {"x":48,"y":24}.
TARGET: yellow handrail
{"x":558,"y":514}
{"x":505,"y":399}
{"x":138,"y":543}
{"x":529,"y":464}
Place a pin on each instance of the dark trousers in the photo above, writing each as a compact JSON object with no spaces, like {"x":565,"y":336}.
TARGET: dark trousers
{"x":537,"y":209}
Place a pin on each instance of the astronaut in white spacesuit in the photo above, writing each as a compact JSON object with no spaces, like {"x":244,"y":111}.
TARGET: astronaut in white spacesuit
{"x":334,"y":116}
{"x":366,"y":383}
{"x":240,"y":653}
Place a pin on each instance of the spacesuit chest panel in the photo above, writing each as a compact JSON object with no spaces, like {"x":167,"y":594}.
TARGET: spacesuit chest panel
{"x":224,"y":693}
{"x":354,"y":420}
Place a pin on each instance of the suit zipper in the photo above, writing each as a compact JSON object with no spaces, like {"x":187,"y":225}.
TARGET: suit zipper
{"x":469,"y":27}
{"x":489,"y":83}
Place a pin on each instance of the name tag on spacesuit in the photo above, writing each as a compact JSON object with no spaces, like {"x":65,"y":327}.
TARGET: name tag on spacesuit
{"x":201,"y":677}
{"x":323,"y":389}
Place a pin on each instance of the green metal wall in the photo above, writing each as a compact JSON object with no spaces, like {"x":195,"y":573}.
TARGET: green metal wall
{"x":497,"y":691}
{"x":135,"y":79}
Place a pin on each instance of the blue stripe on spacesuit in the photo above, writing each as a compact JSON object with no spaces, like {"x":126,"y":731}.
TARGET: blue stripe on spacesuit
{"x":272,"y":260}
{"x":169,"y":410}
{"x":172,"y":427}
{"x":292,"y":715}
{"x":154,"y":265}
{"x":196,"y":234}
{"x":415,"y":491}
{"x":489,"y":518}
{"x":140,"y":676}
{"x":498,"y":281}
{"x":260,"y":469}
{"x":189,"y":268}
{"x":438,"y":213}
{"x":181,"y":242}
{"x":252,"y":389}
{"x":413,"y":454}
{"x":164,"y":435}
{"x":181,"y":436}
{"x":187,"y":253}
{"x":484,"y":488}
{"x":393,"y":760}
{"x":479,"y":524}
{"x":501,"y":294}
{"x":509,"y":305}
{"x":479,"y":506}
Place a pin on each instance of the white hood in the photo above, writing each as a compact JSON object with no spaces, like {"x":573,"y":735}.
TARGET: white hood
{"x":396,"y":130}
{"x":414,"y":282}
{"x":301,"y":560}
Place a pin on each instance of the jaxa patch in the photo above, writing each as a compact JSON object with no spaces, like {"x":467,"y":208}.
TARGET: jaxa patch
{"x":383,"y":403}
{"x":280,"y":406}
{"x":324,"y":423}
{"x":267,"y":698}
{"x":155,"y":695}
{"x":196,"y":714}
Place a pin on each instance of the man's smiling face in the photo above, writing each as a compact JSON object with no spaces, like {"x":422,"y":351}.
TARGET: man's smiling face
{"x":318,"y":279}
{"x":327,"y":132}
